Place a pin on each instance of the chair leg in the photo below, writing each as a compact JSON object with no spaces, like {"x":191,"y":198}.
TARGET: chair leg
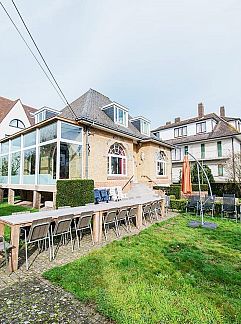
{"x":26,"y":249}
{"x":117,"y":229}
{"x":50,"y":254}
{"x":92,"y":237}
{"x":76,"y":234}
{"x":105,"y":232}
{"x":71,"y":240}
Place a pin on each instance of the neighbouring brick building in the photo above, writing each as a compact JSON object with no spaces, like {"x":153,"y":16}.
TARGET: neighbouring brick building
{"x":95,"y":139}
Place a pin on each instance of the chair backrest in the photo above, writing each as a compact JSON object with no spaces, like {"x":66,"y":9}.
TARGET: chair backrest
{"x":85,"y":219}
{"x":104,"y":194}
{"x":62,"y":224}
{"x":113,"y":193}
{"x":209,"y":201}
{"x":133,"y":212}
{"x":39,"y":229}
{"x":21,"y":212}
{"x":193,"y":200}
{"x":122,"y":214}
{"x":97,"y":195}
{"x":228,"y":202}
{"x":146,"y":208}
{"x":167,"y":201}
{"x":110,"y":216}
{"x":119,"y":192}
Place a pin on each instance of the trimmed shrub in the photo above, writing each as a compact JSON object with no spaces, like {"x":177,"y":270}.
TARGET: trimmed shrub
{"x":226,"y":188}
{"x":204,"y":187}
{"x":178,"y":204}
{"x":77,"y":192}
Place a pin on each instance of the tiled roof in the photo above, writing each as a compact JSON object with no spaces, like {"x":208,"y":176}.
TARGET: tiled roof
{"x":189,"y":121}
{"x":88,"y":108}
{"x":6,"y":105}
{"x":222,"y":129}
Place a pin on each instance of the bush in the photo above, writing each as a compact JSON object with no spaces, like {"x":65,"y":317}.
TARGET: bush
{"x":204,"y":187}
{"x":219,"y":189}
{"x":178,"y":204}
{"x":74,"y":193}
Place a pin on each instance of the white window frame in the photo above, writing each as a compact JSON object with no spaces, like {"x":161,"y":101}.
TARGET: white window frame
{"x":180,"y":131}
{"x":122,"y":157}
{"x":176,"y":154}
{"x":143,"y":125}
{"x":161,"y":160}
{"x":117,"y":109}
{"x":202,"y":126}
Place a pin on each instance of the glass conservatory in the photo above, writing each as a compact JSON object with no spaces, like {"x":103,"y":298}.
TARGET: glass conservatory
{"x":43,"y":155}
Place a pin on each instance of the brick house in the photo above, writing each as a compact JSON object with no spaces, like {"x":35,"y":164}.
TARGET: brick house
{"x":95,"y":139}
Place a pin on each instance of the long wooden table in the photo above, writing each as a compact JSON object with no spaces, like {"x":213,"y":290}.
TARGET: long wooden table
{"x":17,"y":221}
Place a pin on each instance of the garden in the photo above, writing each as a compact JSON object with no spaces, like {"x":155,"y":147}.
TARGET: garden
{"x":168,"y":273}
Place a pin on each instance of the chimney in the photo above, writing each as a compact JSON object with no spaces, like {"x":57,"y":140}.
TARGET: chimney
{"x":200,"y":110}
{"x":168,"y":123}
{"x":222,"y":111}
{"x":177,"y":119}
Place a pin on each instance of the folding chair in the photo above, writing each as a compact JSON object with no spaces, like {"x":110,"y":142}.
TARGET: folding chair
{"x":97,"y":196}
{"x":121,"y":217}
{"x":229,"y":206}
{"x":104,"y":194}
{"x":82,"y":222}
{"x":209,"y":204}
{"x":146,"y":212}
{"x":167,"y":204}
{"x":132,"y":213}
{"x":5,"y":247}
{"x":62,"y":228}
{"x":193,"y":203}
{"x":108,"y":219}
{"x":39,"y":232}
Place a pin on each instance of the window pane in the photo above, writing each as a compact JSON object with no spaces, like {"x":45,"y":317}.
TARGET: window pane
{"x":29,"y":139}
{"x":219,"y":146}
{"x":16,"y":144}
{"x":114,"y":165}
{"x":5,"y":147}
{"x":202,"y":151}
{"x":121,"y":116}
{"x":48,"y":132}
{"x":29,"y":166}
{"x":71,"y":132}
{"x":160,"y":168}
{"x":4,"y":169}
{"x":47,"y":164}
{"x":15,"y":167}
{"x":70,"y":161}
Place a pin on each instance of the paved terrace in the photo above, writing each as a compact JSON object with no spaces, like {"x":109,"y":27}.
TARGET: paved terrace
{"x":27,"y":298}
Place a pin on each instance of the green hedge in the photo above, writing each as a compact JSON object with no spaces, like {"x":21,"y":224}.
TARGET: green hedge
{"x":219,"y":189}
{"x":175,"y":189}
{"x":178,"y":204}
{"x":74,"y":193}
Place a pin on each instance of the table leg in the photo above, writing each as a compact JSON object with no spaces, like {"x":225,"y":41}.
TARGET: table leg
{"x":15,"y":232}
{"x":100,"y":227}
{"x":96,"y":218}
{"x":162,"y":207}
{"x":2,"y":229}
{"x":139,"y":217}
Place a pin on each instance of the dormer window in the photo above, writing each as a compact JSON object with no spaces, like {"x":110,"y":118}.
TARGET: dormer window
{"x":180,"y":131}
{"x":118,"y":113}
{"x":121,"y":116}
{"x":45,"y":113}
{"x":201,"y":127}
{"x":142,"y":124}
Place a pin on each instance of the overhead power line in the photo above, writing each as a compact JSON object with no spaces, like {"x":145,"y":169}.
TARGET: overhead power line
{"x":35,"y":57}
{"x":41,"y":55}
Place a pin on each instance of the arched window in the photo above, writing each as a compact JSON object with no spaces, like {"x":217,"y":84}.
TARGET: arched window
{"x":116,"y":160}
{"x":161,"y":164}
{"x":17,"y":123}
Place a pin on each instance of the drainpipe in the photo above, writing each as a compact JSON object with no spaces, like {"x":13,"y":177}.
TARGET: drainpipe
{"x":87,"y":153}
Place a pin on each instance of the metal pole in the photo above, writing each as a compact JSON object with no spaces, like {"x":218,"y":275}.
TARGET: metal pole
{"x":199,"y":188}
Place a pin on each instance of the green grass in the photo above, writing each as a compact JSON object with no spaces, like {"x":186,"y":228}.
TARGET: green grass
{"x":169,"y":273}
{"x":6,"y":210}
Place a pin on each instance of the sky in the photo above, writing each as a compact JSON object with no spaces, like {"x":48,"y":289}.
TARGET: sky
{"x":159,"y":58}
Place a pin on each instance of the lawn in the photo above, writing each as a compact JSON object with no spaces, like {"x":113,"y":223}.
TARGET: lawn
{"x":6,"y":210}
{"x":169,"y":273}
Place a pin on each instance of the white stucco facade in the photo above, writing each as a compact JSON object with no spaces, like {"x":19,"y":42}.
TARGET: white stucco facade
{"x":18,"y":113}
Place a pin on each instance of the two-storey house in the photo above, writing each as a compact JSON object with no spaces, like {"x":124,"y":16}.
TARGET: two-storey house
{"x":210,"y":138}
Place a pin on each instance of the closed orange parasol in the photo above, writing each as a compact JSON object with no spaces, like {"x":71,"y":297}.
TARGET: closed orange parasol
{"x":186,"y":176}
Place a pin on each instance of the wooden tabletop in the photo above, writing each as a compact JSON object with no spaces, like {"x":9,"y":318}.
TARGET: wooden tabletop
{"x":21,"y":219}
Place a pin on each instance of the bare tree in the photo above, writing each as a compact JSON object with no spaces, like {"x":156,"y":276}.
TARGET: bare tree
{"x":233,"y":169}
